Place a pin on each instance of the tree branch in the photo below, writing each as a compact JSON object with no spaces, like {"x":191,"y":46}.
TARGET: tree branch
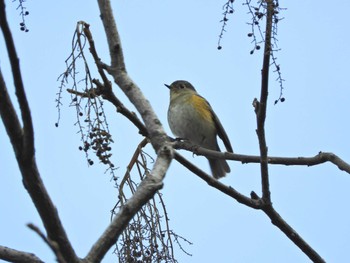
{"x":28,"y":132}
{"x":319,"y":158}
{"x":279,"y":222}
{"x":260,"y":107}
{"x":118,"y":71}
{"x":24,"y":148}
{"x":52,"y":244}
{"x":146,"y":190}
{"x":9,"y":117}
{"x":228,"y":190}
{"x":12,"y":255}
{"x":153,"y":182}
{"x":105,"y":89}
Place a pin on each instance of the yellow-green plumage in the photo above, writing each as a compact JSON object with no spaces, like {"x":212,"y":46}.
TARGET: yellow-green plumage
{"x":191,"y":117}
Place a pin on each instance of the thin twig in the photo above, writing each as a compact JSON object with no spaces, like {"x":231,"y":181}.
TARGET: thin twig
{"x":52,"y":244}
{"x":319,"y":158}
{"x":260,"y":106}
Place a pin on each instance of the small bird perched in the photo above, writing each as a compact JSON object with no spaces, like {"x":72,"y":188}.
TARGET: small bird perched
{"x":191,"y":117}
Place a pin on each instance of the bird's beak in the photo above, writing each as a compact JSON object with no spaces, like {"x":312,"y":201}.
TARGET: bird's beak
{"x":168,"y":86}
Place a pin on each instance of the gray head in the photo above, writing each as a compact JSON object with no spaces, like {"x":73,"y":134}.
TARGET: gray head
{"x":180,"y":84}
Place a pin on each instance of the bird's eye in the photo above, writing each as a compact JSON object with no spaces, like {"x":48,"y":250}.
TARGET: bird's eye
{"x":182,"y":86}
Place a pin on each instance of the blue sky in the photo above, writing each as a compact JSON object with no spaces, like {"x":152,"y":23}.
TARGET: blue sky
{"x":164,"y":41}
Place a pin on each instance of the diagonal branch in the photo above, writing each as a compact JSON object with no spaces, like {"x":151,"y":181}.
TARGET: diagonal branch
{"x":53,"y":245}
{"x":228,"y":190}
{"x":9,"y":117}
{"x":16,"y":256}
{"x":146,"y":190}
{"x":279,"y":222}
{"x":24,"y":148}
{"x":118,"y":71}
{"x":153,"y":182}
{"x":28,"y":132}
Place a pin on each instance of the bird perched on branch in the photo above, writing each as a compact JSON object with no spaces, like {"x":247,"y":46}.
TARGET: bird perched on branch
{"x":191,"y":117}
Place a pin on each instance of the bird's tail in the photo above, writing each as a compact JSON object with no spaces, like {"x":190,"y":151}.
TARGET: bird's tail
{"x":219,"y":167}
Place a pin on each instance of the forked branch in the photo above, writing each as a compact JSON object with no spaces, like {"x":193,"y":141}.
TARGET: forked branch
{"x":22,"y":139}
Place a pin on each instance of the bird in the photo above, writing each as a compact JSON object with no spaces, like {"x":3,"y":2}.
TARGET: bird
{"x":191,"y":117}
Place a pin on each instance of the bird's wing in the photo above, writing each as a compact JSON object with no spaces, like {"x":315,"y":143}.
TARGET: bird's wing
{"x":222,"y":133}
{"x":220,"y":129}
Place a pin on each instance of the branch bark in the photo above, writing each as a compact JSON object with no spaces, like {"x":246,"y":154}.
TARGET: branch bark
{"x":260,"y":109}
{"x":23,"y":143}
{"x":13,"y":255}
{"x":158,"y":138}
{"x":319,"y":158}
{"x":260,"y":106}
{"x":146,"y":190}
{"x":118,"y":71}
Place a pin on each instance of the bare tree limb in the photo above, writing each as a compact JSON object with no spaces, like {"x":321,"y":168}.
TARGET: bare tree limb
{"x":28,"y":132}
{"x":13,"y":255}
{"x":279,"y":222}
{"x":24,"y":148}
{"x":9,"y":117}
{"x":319,"y":158}
{"x":228,"y":190}
{"x":260,"y":106}
{"x":52,"y":244}
{"x":153,"y":182}
{"x":146,"y":190}
{"x":260,"y":109}
{"x":105,"y":89}
{"x":118,"y":71}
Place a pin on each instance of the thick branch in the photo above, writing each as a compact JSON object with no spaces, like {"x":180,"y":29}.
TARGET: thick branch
{"x":118,"y":71}
{"x":28,"y":132}
{"x":153,"y":182}
{"x":146,"y":190}
{"x":105,"y":89}
{"x":12,"y":255}
{"x":9,"y":117}
{"x":23,"y":142}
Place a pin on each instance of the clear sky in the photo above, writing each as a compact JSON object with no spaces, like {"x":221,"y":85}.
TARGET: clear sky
{"x":168,"y":40}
